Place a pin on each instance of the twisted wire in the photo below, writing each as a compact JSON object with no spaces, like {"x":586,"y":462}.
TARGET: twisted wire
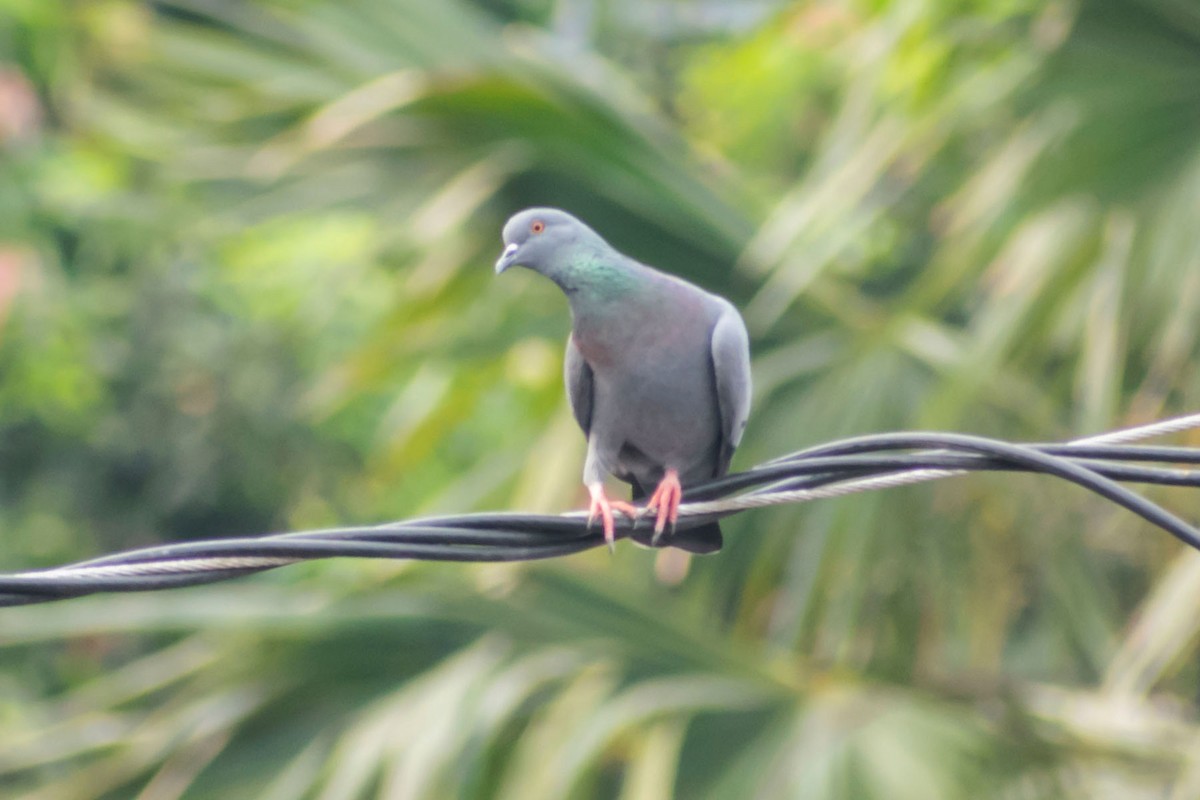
{"x":1100,"y":463}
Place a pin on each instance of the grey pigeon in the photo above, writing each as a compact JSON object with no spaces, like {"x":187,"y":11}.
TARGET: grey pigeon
{"x":657,"y":370}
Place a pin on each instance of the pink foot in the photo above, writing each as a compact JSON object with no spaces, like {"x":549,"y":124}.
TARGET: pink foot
{"x":665,"y":501}
{"x":603,"y":508}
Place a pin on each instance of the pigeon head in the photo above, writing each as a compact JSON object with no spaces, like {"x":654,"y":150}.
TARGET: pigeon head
{"x":543,"y":240}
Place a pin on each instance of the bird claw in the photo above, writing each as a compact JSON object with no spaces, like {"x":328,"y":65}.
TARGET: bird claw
{"x":603,"y":507}
{"x":665,"y":501}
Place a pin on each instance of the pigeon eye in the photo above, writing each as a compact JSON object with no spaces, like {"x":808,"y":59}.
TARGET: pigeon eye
{"x":537,"y":226}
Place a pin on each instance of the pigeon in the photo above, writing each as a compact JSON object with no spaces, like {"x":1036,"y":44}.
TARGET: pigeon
{"x":657,"y":371}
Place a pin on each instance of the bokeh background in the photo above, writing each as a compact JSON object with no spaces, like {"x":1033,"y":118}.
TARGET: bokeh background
{"x":246,"y":286}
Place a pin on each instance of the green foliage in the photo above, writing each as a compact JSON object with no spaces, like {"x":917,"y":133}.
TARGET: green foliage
{"x":245,"y":285}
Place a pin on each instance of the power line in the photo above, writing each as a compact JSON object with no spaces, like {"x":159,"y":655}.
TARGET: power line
{"x":1102,"y":464}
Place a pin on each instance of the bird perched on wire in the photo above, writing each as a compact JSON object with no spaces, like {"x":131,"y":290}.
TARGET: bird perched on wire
{"x":657,"y":370}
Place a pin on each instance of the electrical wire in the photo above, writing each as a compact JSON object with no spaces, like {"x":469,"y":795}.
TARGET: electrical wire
{"x":1100,"y":464}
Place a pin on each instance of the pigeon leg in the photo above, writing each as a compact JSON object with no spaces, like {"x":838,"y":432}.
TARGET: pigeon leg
{"x":665,"y":501}
{"x":603,"y":508}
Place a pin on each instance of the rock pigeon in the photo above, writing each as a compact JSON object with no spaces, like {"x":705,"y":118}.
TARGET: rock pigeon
{"x":657,"y":370}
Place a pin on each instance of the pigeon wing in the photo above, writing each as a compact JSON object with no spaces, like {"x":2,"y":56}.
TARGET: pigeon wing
{"x":577,"y":376}
{"x":731,"y":368}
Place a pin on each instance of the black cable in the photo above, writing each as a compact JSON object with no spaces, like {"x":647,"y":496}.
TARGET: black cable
{"x":519,"y":537}
{"x":844,"y":467}
{"x":1032,"y":458}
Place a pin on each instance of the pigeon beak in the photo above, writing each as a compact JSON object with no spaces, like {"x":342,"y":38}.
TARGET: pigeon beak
{"x":506,"y":258}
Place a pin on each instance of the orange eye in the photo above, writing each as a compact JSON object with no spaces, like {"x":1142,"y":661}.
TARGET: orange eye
{"x":537,"y":226}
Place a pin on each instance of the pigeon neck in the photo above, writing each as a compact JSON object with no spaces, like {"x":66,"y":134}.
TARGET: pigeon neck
{"x":604,"y":301}
{"x":592,"y":279}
